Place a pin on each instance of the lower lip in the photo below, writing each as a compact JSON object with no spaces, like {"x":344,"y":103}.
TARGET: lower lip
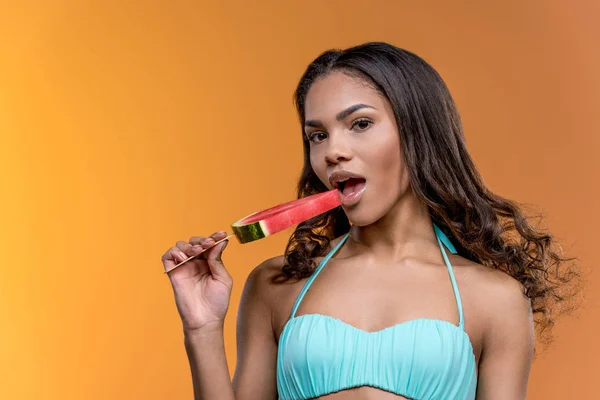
{"x":352,"y":198}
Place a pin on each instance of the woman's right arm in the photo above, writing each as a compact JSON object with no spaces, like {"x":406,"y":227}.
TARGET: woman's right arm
{"x":255,"y":373}
{"x":256,"y":367}
{"x":202,"y":289}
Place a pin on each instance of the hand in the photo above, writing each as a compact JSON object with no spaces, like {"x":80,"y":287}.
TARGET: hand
{"x":202,"y":286}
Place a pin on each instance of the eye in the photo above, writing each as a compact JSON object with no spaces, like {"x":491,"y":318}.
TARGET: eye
{"x":317,"y":137}
{"x":362,"y":124}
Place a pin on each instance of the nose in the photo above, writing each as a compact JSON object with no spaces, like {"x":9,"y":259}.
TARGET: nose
{"x":337,"y":150}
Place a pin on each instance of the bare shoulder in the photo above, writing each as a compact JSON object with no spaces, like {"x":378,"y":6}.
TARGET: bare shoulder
{"x":267,"y":282}
{"x":491,"y":283}
{"x":268,"y":276}
{"x":500,"y":297}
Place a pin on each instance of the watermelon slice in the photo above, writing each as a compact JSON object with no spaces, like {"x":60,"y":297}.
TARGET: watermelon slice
{"x":275,"y":219}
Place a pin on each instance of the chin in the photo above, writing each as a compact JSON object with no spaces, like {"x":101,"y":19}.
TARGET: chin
{"x":359,"y":215}
{"x":366,"y":213}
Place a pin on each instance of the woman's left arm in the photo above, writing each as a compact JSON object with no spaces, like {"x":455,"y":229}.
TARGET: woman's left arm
{"x":508,"y":344}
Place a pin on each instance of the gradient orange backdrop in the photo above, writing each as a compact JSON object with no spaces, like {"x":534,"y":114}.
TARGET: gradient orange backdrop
{"x":128,"y":125}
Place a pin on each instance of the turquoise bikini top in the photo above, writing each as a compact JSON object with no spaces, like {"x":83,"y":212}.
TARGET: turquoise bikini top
{"x":418,"y":359}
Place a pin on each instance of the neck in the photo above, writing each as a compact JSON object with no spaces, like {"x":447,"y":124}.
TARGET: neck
{"x":406,"y":231}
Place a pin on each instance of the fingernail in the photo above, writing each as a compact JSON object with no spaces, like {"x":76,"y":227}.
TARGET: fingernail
{"x":182,"y":255}
{"x":196,"y":247}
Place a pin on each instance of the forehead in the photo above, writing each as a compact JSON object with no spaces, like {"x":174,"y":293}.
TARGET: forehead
{"x":337,"y":91}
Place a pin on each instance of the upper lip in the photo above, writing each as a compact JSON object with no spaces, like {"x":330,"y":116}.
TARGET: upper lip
{"x":340,"y":176}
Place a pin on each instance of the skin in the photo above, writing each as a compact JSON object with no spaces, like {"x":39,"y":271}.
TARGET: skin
{"x":389,"y":271}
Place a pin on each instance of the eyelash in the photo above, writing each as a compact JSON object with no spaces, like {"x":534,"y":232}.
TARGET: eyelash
{"x":362,"y":120}
{"x":312,"y":135}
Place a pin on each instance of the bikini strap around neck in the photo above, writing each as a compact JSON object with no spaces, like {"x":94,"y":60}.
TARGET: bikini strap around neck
{"x":444,"y":241}
{"x":319,"y":268}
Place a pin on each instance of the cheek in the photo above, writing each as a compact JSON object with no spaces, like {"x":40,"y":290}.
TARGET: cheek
{"x":319,"y":166}
{"x":386,"y":155}
{"x":387,"y":167}
{"x":392,"y":158}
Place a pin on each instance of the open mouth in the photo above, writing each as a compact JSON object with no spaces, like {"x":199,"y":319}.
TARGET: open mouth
{"x":351,"y":185}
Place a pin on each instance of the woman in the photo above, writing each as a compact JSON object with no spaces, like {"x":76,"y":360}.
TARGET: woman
{"x":423,"y":285}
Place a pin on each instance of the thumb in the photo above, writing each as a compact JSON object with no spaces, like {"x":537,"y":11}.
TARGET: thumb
{"x":215,"y":262}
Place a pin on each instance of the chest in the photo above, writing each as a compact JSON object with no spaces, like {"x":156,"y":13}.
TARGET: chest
{"x":375,"y":299}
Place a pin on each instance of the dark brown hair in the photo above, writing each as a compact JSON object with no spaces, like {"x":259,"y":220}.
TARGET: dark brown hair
{"x":484,"y":227}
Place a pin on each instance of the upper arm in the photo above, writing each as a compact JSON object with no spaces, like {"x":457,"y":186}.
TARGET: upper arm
{"x":255,"y":373}
{"x":508,"y":344}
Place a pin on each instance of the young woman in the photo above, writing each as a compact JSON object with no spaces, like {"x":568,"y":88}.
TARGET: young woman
{"x":423,"y":285}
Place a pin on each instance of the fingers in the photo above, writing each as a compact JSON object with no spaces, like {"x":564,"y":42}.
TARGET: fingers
{"x":172,"y":257}
{"x":215,"y":262}
{"x":187,"y":249}
{"x":197,"y":240}
{"x":201,"y":240}
{"x":192,"y":249}
{"x":197,"y":244}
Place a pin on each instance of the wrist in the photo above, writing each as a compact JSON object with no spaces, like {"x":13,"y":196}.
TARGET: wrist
{"x":210,"y":330}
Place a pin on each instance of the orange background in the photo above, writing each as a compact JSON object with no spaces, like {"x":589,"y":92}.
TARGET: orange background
{"x":127,"y":125}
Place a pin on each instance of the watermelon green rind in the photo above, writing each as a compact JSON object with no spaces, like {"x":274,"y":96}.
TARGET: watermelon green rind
{"x":250,"y":232}
{"x":275,"y":219}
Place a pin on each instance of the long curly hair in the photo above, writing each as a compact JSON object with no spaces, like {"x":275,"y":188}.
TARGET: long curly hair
{"x":484,"y":227}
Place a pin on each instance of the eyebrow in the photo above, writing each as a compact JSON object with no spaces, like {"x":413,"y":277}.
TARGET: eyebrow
{"x":340,"y":116}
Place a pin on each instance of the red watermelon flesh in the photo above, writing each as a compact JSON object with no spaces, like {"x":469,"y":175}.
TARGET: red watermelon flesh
{"x":275,"y":219}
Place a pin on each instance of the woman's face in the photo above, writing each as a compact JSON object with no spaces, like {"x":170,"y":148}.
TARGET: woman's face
{"x":353,"y":134}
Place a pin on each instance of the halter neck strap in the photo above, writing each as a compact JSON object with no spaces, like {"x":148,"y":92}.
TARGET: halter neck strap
{"x":318,"y":270}
{"x":443,"y":240}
